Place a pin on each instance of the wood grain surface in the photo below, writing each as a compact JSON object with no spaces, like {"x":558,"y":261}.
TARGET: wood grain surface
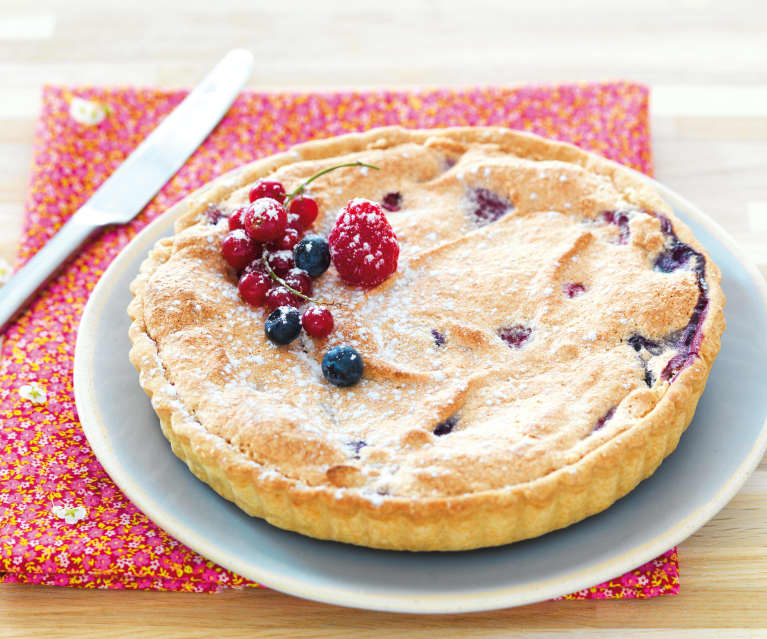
{"x":706,"y":62}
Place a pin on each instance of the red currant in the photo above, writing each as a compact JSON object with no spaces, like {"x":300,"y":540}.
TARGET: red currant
{"x":281,"y":262}
{"x":294,"y":222}
{"x":265,"y":220}
{"x":236,"y":219}
{"x":254,"y":286}
{"x":238,"y":249}
{"x":317,"y":321}
{"x":288,"y":240}
{"x":306,"y":209}
{"x":280,"y":296}
{"x":267,"y":188}
{"x":300,"y":281}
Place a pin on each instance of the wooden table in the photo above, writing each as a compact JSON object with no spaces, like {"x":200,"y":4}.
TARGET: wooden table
{"x":708,"y":69}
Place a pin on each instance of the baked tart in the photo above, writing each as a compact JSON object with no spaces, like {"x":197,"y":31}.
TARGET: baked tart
{"x":426,"y":339}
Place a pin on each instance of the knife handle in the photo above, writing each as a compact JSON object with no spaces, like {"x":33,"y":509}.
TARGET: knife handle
{"x":36,"y":273}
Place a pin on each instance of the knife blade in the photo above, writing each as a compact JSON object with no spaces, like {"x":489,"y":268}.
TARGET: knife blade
{"x":136,"y":181}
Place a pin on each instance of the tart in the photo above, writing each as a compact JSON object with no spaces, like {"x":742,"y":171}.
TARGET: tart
{"x":538,"y":352}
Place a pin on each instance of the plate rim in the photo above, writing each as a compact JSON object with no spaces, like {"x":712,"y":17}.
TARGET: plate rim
{"x":477,"y":600}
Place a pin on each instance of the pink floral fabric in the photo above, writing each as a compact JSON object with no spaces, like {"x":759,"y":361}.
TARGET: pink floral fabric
{"x":62,"y":521}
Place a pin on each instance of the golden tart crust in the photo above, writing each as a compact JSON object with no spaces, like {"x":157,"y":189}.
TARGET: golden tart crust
{"x":455,"y":438}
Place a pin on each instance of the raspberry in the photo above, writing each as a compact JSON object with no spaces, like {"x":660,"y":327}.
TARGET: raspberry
{"x":267,"y":188}
{"x":363,"y":245}
{"x":265,"y":219}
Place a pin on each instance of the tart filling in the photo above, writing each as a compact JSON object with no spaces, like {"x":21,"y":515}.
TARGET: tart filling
{"x":547,"y":315}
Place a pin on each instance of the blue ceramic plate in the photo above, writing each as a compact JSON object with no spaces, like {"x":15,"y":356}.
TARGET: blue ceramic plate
{"x":715,"y":456}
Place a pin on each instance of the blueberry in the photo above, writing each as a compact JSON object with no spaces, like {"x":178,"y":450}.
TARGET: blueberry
{"x":443,"y":428}
{"x":312,"y":254}
{"x":342,"y":366}
{"x":283,"y":325}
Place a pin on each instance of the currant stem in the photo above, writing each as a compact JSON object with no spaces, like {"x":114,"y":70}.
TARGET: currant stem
{"x":302,"y":188}
{"x":270,"y":272}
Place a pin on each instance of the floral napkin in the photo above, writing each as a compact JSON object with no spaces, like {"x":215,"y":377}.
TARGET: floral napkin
{"x":62,"y":520}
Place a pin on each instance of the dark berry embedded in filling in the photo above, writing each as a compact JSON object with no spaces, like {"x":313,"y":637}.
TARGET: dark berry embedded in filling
{"x":443,"y":428}
{"x":675,"y":257}
{"x":439,"y":338}
{"x":515,"y":336}
{"x":357,"y":446}
{"x":574,"y":289}
{"x":487,"y":206}
{"x":639,"y":342}
{"x":621,"y":220}
{"x":392,"y":201}
{"x":605,"y":418}
{"x":213,"y":214}
{"x":688,"y":340}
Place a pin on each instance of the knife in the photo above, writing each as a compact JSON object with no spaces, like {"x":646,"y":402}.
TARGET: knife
{"x":136,"y":181}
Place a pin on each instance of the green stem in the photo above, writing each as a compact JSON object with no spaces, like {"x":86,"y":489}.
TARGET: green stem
{"x":302,"y":188}
{"x":270,"y":272}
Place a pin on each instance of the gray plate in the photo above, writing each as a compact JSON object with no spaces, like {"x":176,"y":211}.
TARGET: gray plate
{"x":720,"y":449}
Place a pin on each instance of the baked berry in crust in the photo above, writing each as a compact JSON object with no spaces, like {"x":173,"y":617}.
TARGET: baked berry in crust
{"x":538,"y":352}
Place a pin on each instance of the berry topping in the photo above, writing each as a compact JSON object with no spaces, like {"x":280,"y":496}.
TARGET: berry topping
{"x":443,"y":428}
{"x":357,"y":446}
{"x":515,"y":335}
{"x":306,"y":209}
{"x":288,"y":240}
{"x":639,"y":342}
{"x":300,"y":281}
{"x":253,"y":286}
{"x":267,"y":188}
{"x":283,"y":325}
{"x":487,"y":206}
{"x":213,"y":214}
{"x":281,"y":262}
{"x":392,"y":201}
{"x":237,"y":219}
{"x":439,"y":338}
{"x":573,"y":289}
{"x":363,"y":245}
{"x":621,"y":220}
{"x":265,"y":220}
{"x":280,"y":296}
{"x":317,"y":321}
{"x":342,"y":366}
{"x":238,"y":249}
{"x":312,"y":254}
{"x":675,"y":257}
{"x":605,"y":418}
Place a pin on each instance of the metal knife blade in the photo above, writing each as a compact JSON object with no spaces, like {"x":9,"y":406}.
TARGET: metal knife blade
{"x":136,"y":181}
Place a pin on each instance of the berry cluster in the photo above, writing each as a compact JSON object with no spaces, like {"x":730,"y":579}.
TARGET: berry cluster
{"x":275,"y":263}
